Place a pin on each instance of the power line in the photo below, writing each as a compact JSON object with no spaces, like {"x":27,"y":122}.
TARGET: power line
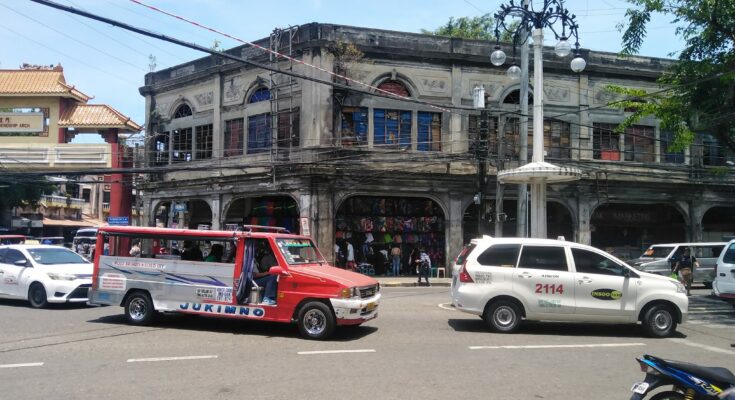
{"x":72,"y":38}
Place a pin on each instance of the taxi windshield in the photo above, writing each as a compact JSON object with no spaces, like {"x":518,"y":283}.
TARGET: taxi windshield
{"x":299,"y":251}
{"x":55,"y":255}
{"x":657,"y":252}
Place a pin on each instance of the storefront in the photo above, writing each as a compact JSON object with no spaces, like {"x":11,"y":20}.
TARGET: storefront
{"x":281,"y":211}
{"x":374,"y":225}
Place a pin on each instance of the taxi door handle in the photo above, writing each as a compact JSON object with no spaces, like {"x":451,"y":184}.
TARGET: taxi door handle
{"x":525,"y":275}
{"x":585,"y":280}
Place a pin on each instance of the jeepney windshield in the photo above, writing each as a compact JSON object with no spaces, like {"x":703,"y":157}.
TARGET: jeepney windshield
{"x":299,"y":251}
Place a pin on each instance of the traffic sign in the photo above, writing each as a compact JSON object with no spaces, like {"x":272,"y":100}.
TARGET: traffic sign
{"x":118,"y":221}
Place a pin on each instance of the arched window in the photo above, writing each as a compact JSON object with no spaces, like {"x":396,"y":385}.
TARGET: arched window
{"x":514,"y":97}
{"x":183,"y":111}
{"x":261,"y":94}
{"x":395,"y":87}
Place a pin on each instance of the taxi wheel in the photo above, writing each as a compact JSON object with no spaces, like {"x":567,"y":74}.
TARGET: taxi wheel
{"x":37,"y":296}
{"x":139,"y":309}
{"x":316,"y":321}
{"x":503,"y":316}
{"x":659,"y":321}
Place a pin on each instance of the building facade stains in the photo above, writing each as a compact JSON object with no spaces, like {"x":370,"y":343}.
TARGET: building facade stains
{"x":233,"y":144}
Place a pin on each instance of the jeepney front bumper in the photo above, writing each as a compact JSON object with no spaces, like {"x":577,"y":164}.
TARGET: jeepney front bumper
{"x":355,"y":311}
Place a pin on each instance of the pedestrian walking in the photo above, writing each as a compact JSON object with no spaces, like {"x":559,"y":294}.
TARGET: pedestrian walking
{"x":395,"y":254}
{"x":423,"y":266}
{"x":685,"y":268}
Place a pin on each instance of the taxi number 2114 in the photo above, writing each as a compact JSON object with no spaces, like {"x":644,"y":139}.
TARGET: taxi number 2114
{"x":549,"y":289}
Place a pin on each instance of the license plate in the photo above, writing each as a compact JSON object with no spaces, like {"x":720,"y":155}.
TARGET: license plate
{"x":370,"y":307}
{"x":640,"y":388}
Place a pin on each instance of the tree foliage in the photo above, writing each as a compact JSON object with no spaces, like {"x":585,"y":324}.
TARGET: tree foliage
{"x":21,"y":192}
{"x":702,"y":82}
{"x":482,"y":28}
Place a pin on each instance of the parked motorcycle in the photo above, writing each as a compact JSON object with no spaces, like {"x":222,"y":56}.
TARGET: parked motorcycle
{"x":688,"y":381}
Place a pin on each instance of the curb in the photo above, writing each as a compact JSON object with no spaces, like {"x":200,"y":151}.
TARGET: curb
{"x":414,"y":284}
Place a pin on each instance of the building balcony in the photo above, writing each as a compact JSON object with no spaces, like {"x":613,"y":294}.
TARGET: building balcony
{"x":59,"y":156}
{"x":63,"y":202}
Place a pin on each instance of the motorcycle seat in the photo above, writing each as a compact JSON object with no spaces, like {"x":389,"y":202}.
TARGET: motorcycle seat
{"x":714,"y":374}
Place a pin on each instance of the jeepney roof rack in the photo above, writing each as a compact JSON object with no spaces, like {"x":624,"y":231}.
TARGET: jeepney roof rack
{"x":251,"y":228}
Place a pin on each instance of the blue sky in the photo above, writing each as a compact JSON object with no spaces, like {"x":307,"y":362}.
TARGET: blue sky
{"x":109,"y":63}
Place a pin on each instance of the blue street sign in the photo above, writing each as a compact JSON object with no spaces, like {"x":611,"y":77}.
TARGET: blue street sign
{"x":118,"y":221}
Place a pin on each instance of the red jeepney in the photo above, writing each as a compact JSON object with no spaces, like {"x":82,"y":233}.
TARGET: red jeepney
{"x":150,"y":270}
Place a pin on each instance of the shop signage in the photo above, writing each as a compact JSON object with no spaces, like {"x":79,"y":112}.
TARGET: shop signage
{"x":118,"y":221}
{"x":305,"y":226}
{"x":30,"y":122}
{"x":180,"y":207}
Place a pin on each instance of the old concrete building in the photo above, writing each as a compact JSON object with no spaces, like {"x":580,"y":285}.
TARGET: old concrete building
{"x":230,"y":143}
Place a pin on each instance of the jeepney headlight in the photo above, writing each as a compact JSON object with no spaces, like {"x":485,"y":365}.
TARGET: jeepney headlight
{"x":347,"y":293}
{"x":61,"y":277}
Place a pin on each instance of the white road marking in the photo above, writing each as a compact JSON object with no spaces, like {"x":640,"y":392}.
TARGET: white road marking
{"x":702,"y":346}
{"x":336,"y":351}
{"x":21,"y":365}
{"x":558,"y":346}
{"x":155,"y":359}
{"x":446,"y":306}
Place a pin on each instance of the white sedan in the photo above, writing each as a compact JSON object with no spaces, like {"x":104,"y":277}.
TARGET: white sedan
{"x":44,"y":274}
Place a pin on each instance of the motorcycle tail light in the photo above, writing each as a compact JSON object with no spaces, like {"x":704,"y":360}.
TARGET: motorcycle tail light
{"x":647,"y":368}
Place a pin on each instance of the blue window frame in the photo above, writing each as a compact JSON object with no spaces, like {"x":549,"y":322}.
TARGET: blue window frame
{"x":430,"y":131}
{"x":392,"y":127}
{"x":259,"y":133}
{"x":354,"y":126}
{"x":261,"y":94}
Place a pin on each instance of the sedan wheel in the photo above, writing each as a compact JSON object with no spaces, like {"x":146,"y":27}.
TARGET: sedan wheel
{"x":37,"y":296}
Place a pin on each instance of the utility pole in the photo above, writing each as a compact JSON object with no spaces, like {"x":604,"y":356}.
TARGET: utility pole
{"x":499,"y":216}
{"x":482,"y":151}
{"x":522,"y":203}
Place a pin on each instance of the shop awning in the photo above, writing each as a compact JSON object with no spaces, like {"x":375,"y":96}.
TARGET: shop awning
{"x":539,"y":172}
{"x":90,"y":222}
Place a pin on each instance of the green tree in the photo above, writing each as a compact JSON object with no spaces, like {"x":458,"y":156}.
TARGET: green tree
{"x":702,"y":83}
{"x":482,"y":27}
{"x":22,"y":191}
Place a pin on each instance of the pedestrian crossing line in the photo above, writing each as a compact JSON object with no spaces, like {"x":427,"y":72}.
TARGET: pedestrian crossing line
{"x":335,"y":351}
{"x":38,"y":364}
{"x":702,"y":346}
{"x":156,"y":359}
{"x":557,"y":346}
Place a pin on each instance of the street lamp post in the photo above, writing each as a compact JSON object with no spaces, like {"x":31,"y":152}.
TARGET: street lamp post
{"x":538,"y":173}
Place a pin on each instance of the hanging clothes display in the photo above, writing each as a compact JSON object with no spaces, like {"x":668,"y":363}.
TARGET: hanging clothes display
{"x":373,"y":223}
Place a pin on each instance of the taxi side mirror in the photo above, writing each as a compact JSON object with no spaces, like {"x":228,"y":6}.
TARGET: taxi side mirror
{"x":21,"y":263}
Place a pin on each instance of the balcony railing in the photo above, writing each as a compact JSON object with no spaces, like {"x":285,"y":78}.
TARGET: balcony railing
{"x":63,"y":201}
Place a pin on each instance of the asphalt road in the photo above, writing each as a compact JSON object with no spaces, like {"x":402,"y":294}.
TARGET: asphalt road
{"x":415,"y":349}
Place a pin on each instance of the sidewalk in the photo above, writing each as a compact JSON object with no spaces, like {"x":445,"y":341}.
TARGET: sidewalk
{"x":411,"y":281}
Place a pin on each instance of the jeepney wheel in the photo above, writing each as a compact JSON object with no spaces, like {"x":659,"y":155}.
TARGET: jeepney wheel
{"x":316,"y":321}
{"x":139,"y":308}
{"x":37,"y":296}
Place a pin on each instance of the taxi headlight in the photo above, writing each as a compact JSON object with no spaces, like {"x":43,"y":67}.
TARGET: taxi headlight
{"x":61,"y":277}
{"x":679,"y":287}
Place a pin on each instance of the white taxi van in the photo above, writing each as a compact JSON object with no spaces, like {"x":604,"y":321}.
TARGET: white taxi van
{"x":505,"y":280}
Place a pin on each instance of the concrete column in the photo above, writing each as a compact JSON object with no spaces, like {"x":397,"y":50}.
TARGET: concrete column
{"x":694,"y":225}
{"x":454,"y":232}
{"x":583,"y":232}
{"x":121,"y":190}
{"x":215,"y":204}
{"x":455,"y":119}
{"x":217,"y":132}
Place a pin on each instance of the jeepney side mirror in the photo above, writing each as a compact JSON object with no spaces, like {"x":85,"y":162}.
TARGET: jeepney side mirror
{"x":276,"y":270}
